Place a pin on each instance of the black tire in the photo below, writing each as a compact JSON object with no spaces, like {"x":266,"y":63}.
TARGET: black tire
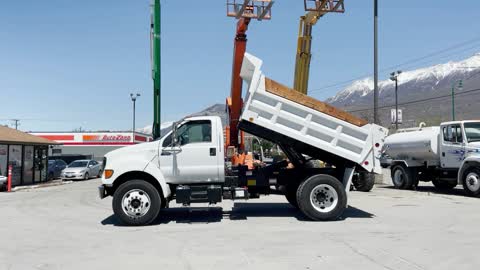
{"x":149,"y":216}
{"x":86,"y":177}
{"x":291,"y":194}
{"x":470,"y":181}
{"x":402,"y":177}
{"x":444,"y":185}
{"x":364,"y":182}
{"x":306,"y":203}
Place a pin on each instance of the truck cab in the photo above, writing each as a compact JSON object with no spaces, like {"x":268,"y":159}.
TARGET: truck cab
{"x":193,"y":151}
{"x":458,"y":139}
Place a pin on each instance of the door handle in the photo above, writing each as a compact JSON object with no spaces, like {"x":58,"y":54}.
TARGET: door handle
{"x":166,"y":153}
{"x":213,"y":151}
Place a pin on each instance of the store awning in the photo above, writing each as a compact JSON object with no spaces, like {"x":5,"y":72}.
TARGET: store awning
{"x":13,"y":136}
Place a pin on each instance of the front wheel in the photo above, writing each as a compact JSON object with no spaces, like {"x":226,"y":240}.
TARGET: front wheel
{"x":86,"y":177}
{"x":471,"y":182}
{"x":136,"y":203}
{"x":322,"y":197}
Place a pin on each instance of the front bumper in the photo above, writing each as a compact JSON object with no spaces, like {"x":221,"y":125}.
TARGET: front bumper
{"x":72,"y":177}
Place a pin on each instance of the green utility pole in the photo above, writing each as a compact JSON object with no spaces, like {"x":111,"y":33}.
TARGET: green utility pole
{"x":156,"y":66}
{"x":458,"y":84}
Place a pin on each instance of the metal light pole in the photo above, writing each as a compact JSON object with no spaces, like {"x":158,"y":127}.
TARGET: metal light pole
{"x":156,"y":66}
{"x":134,"y":100}
{"x":394,"y":77}
{"x":375,"y":62}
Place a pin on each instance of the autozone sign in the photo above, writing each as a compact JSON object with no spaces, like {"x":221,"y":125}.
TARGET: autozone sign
{"x":107,"y":138}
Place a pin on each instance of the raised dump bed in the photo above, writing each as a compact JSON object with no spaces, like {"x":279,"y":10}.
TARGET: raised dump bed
{"x":306,"y":125}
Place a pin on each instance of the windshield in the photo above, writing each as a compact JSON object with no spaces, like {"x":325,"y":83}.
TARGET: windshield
{"x":78,"y":164}
{"x":472,"y":130}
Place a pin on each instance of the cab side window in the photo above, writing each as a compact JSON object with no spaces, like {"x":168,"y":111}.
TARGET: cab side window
{"x":195,"y":132}
{"x":453,"y":134}
{"x":191,"y":132}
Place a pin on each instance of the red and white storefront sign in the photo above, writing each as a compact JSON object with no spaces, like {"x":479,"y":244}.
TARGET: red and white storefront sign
{"x":95,"y":138}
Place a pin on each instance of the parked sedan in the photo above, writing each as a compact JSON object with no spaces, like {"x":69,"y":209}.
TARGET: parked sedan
{"x":55,"y":168}
{"x":82,"y":169}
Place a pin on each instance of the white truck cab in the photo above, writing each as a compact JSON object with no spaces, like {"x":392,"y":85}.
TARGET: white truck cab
{"x":447,"y":155}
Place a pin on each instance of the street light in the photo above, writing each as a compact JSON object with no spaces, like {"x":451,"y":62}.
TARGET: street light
{"x":134,"y":100}
{"x":394,"y":77}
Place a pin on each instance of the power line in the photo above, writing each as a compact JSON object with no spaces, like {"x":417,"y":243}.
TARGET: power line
{"x":417,"y":101}
{"x":418,"y":59}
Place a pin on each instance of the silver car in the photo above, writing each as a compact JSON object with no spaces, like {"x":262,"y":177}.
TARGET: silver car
{"x":82,"y":169}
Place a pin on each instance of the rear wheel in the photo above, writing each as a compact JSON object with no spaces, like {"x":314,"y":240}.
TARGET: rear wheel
{"x":136,"y":203}
{"x":471,"y":182}
{"x":364,"y":181}
{"x":322,"y":197}
{"x":444,"y":185}
{"x":402,"y":177}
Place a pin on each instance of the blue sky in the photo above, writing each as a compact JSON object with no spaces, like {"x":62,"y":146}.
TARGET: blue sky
{"x":66,"y":64}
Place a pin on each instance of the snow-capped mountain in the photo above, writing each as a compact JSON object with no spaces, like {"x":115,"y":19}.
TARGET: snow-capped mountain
{"x":423,"y":83}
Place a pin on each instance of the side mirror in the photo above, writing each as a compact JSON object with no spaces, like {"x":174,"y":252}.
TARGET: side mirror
{"x":90,"y":166}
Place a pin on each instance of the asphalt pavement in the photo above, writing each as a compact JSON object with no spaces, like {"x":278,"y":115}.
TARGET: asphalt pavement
{"x":69,"y":227}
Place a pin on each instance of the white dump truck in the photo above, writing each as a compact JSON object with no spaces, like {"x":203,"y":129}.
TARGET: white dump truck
{"x":188,"y":164}
{"x":448,"y":155}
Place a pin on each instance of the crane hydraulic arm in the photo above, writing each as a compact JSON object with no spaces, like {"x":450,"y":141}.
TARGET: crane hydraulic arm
{"x":235,"y":102}
{"x":315,"y":10}
{"x":244,"y":11}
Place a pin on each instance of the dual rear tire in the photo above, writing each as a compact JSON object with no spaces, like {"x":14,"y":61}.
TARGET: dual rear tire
{"x":403,"y":177}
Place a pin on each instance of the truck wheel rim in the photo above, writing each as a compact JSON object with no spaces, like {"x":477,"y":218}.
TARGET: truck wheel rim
{"x":398,"y":178}
{"x":324,"y":198}
{"x":473,"y":181}
{"x":136,"y":203}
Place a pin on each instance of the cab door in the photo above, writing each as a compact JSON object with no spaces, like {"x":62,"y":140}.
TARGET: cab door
{"x":194,"y":156}
{"x":453,"y":147}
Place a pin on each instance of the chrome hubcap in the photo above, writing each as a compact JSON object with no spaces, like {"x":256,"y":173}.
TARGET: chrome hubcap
{"x":136,"y":203}
{"x":473,"y":181}
{"x":324,"y":198}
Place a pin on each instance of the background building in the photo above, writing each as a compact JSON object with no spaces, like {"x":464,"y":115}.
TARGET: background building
{"x":27,"y":153}
{"x":93,"y":145}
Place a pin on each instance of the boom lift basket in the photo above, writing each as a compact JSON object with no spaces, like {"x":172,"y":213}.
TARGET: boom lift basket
{"x":253,"y":9}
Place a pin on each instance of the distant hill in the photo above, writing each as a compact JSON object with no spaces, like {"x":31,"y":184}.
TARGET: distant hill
{"x":214,"y":110}
{"x":420,"y":84}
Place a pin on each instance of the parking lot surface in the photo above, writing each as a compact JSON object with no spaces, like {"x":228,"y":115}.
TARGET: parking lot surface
{"x":69,"y":227}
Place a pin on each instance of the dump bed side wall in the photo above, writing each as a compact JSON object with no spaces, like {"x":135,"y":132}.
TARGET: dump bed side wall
{"x":307,"y":125}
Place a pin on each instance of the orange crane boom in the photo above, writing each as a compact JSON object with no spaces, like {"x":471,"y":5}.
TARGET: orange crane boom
{"x":244,"y":11}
